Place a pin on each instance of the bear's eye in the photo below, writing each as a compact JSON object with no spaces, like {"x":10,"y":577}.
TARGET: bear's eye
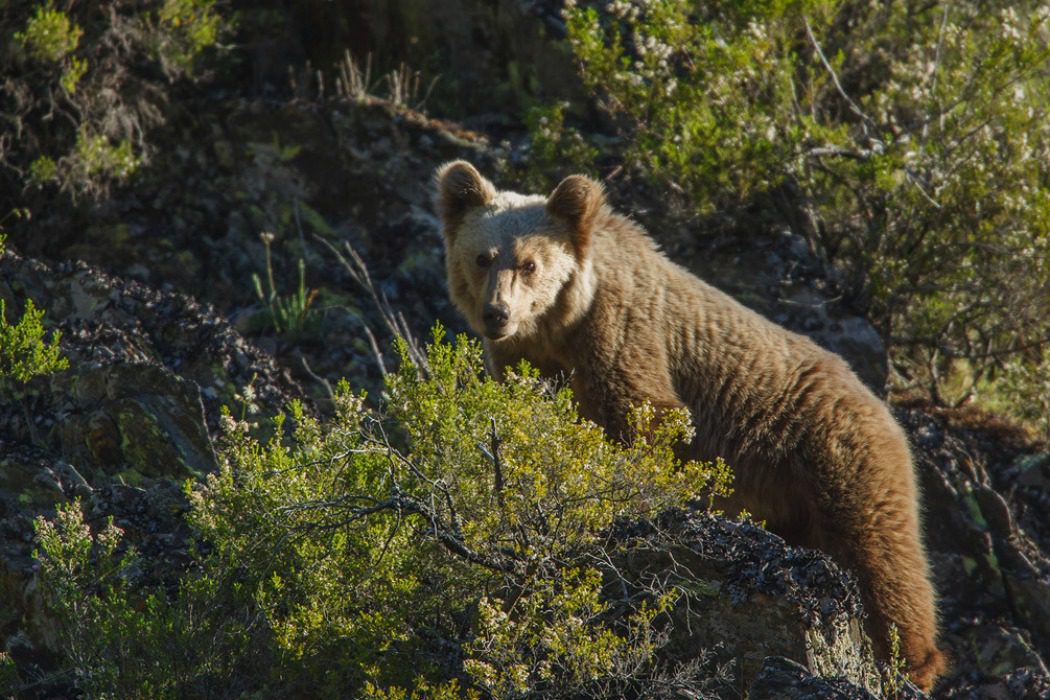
{"x":483,"y":260}
{"x":529,"y":267}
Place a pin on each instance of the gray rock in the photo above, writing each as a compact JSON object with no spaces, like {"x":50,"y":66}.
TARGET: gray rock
{"x":784,"y":679}
{"x":748,"y":596}
{"x":985,"y":531}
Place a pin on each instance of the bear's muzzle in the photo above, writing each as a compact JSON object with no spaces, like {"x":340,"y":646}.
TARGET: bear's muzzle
{"x":496,"y":317}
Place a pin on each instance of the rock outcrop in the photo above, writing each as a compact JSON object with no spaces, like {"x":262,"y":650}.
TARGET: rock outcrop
{"x":986,"y":495}
{"x":746,"y":596}
{"x":130,"y":420}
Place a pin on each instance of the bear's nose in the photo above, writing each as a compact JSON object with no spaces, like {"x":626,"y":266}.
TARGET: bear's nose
{"x":495,"y":315}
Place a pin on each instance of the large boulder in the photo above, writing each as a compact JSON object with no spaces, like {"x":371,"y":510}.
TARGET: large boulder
{"x":745,"y":595}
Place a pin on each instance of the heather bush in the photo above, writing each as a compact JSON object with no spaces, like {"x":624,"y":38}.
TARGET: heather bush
{"x":449,"y":546}
{"x":911,"y":139}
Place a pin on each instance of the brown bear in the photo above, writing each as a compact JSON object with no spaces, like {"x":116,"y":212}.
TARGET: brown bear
{"x":582,"y":292}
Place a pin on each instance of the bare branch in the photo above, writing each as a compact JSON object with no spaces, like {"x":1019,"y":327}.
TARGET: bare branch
{"x":454,"y":542}
{"x":352,"y":508}
{"x":493,"y":454}
{"x":375,"y":350}
{"x":854,"y":107}
{"x":317,"y":378}
{"x":818,"y":151}
{"x":394,"y":321}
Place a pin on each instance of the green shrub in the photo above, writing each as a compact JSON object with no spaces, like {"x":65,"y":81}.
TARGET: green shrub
{"x":1022,"y":390}
{"x":703,"y":90}
{"x":24,"y":353}
{"x":186,"y":29}
{"x":449,"y":547}
{"x":556,"y":149}
{"x":88,"y":82}
{"x":911,"y":138}
{"x":120,"y":639}
{"x":290,"y":315}
{"x":49,"y":34}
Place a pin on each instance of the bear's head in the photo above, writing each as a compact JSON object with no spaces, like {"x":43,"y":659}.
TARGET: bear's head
{"x":517,"y":261}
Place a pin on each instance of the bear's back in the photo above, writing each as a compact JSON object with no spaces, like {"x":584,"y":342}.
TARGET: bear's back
{"x":730,"y":365}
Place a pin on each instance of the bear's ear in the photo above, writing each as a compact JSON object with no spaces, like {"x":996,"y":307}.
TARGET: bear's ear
{"x":577,"y":201}
{"x":459,"y":188}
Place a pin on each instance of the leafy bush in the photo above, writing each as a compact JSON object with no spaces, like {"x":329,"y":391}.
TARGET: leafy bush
{"x":85,"y":85}
{"x":49,"y":34}
{"x":24,"y":353}
{"x":704,"y":90}
{"x":120,"y":640}
{"x":1023,"y":390}
{"x":451,"y":547}
{"x":911,"y":138}
{"x":556,"y":150}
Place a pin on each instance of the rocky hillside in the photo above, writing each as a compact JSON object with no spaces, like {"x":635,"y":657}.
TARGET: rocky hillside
{"x":152,"y":289}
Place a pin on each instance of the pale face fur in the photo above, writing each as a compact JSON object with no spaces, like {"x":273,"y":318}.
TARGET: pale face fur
{"x":507,"y":252}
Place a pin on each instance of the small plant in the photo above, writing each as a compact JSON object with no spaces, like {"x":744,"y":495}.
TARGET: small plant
{"x":8,"y":672}
{"x":24,"y":353}
{"x":405,"y":88}
{"x":73,"y":559}
{"x":49,"y":35}
{"x":42,"y":170}
{"x":246,"y":399}
{"x":190,"y":27}
{"x":289,"y":315}
{"x":896,"y":674}
{"x":354,"y":83}
{"x":96,"y":156}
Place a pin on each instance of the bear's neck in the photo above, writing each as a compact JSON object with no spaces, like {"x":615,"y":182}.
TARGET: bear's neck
{"x":575,"y":299}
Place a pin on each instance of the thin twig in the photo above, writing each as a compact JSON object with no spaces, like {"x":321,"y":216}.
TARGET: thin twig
{"x":394,"y":321}
{"x":933,"y":77}
{"x":497,"y":462}
{"x":317,"y":378}
{"x":854,"y":107}
{"x":860,"y":154}
{"x":375,"y":350}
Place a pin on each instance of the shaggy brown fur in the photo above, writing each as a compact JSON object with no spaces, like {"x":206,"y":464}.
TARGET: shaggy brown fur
{"x":578,"y":289}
